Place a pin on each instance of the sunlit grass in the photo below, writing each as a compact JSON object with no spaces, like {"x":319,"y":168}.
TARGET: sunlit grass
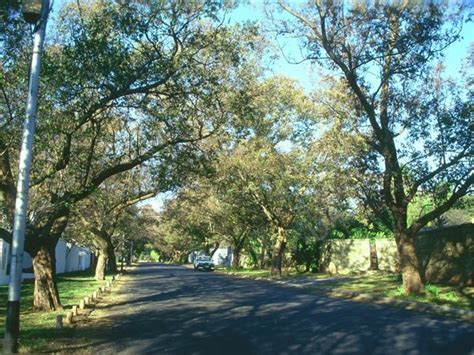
{"x":460,"y":297}
{"x":37,"y":329}
{"x":390,"y":285}
{"x":264,"y":273}
{"x":246,"y":272}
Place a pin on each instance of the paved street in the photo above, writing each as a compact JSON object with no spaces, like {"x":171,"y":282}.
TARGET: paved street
{"x":176,"y":310}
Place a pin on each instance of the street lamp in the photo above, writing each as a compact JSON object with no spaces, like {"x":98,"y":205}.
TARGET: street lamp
{"x":35,"y":12}
{"x":32,"y":11}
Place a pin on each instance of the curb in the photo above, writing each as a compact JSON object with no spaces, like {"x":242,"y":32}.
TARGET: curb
{"x":462,"y":314}
{"x":84,"y":306}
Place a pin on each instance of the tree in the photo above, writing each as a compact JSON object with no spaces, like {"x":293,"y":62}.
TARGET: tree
{"x":419,"y":124}
{"x":252,"y":185}
{"x":218,"y":212}
{"x":103,"y":213}
{"x":187,"y":223}
{"x":125,"y":85}
{"x":237,"y":220}
{"x":261,"y":163}
{"x":276,"y":183}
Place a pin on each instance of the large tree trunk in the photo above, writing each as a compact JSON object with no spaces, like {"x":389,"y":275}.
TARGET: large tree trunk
{"x":277,"y":254}
{"x":46,"y":296}
{"x":263,"y":252}
{"x":41,"y":244}
{"x":409,"y":263}
{"x":236,"y":258}
{"x":100,"y":267}
{"x":94,"y":260}
{"x":374,"y":259}
{"x":111,"y":258}
{"x":214,"y":249}
{"x":106,"y":257}
{"x":238,"y":245}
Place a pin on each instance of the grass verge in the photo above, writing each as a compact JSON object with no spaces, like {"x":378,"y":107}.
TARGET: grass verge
{"x":37,"y":329}
{"x":265,"y":273}
{"x":377,"y":283}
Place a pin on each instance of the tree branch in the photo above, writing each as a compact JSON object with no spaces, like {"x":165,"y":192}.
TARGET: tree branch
{"x":438,"y":211}
{"x":413,"y":190}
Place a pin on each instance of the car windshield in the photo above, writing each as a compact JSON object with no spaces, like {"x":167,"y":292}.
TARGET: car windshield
{"x":204,"y":258}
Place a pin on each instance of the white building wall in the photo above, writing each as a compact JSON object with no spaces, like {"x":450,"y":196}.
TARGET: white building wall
{"x":78,"y":259}
{"x":72,"y":260}
{"x":86,"y":258}
{"x":68,"y":258}
{"x":4,"y":260}
{"x":223,"y":256}
{"x":61,"y":256}
{"x":27,"y":261}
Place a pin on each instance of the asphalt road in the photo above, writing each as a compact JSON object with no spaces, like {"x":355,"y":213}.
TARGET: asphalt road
{"x":176,"y":310}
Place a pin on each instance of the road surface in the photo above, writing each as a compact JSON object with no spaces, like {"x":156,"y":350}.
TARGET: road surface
{"x":176,"y":310}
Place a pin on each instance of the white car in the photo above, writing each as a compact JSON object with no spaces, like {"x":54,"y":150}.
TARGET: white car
{"x":204,"y":263}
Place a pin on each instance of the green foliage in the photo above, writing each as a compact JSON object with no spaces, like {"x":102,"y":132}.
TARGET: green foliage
{"x":415,"y":123}
{"x":432,"y":289}
{"x":437,"y":294}
{"x":306,"y":253}
{"x":141,"y":97}
{"x":154,"y":256}
{"x":450,"y":297}
{"x":126,"y":87}
{"x":370,"y":233}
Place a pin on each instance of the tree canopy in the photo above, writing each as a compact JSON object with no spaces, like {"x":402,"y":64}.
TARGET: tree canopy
{"x":140,"y":98}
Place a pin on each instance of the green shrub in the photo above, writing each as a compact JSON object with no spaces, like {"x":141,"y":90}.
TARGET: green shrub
{"x":432,"y":289}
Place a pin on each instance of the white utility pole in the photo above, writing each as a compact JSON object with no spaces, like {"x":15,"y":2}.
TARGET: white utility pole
{"x":12,"y":327}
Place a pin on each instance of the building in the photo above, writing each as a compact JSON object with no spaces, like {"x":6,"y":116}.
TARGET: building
{"x":221,"y":257}
{"x":69,"y":258}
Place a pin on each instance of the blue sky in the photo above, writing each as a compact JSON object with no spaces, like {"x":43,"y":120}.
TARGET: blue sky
{"x":306,"y":74}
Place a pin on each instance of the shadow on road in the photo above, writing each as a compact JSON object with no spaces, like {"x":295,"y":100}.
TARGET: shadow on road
{"x":172,"y":309}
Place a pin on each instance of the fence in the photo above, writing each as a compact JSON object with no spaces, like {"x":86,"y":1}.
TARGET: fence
{"x":446,"y":255}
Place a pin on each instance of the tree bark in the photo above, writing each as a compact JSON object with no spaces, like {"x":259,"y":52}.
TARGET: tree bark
{"x":214,"y":249}
{"x":277,"y":254}
{"x":41,"y":245}
{"x":106,"y":257}
{"x":236,"y":258}
{"x":409,"y":263}
{"x":111,"y":258}
{"x":374,"y":260}
{"x":93,"y":261}
{"x":46,"y":296}
{"x":263,"y":252}
{"x":100,"y":267}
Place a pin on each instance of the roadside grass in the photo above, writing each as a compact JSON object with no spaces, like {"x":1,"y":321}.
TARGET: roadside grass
{"x":390,"y":285}
{"x":373,"y":282}
{"x":265,"y":273}
{"x":254,"y":273}
{"x":37,"y":329}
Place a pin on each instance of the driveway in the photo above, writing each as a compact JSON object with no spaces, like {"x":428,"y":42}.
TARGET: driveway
{"x":164,"y":309}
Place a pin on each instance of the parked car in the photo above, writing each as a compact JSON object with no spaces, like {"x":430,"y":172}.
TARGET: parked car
{"x":204,"y":263}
